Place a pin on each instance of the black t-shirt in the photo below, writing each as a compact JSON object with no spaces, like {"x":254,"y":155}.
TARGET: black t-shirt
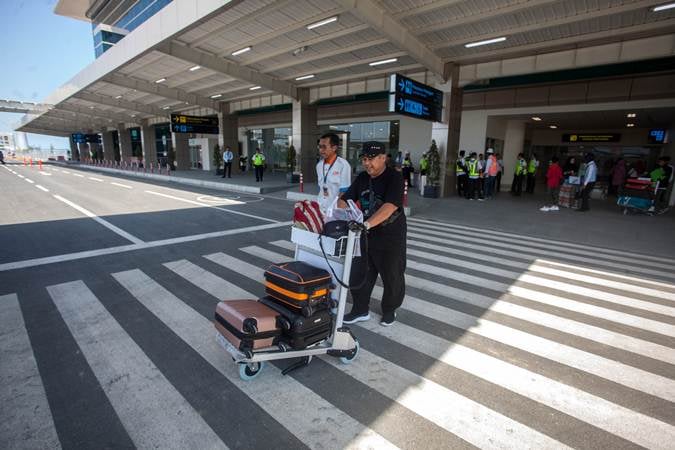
{"x":387,"y":188}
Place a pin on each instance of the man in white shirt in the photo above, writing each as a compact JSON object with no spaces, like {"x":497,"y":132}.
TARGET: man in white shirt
{"x":228,"y":156}
{"x":333,"y":173}
{"x":590,"y":177}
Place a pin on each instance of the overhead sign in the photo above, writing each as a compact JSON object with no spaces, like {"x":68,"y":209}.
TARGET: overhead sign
{"x":606,"y":137}
{"x":135,"y":134}
{"x":414,"y":99}
{"x":657,"y":136}
{"x":81,"y":138}
{"x":181,"y":123}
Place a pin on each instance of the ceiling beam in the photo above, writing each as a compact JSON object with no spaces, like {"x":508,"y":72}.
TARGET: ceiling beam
{"x":378,"y":18}
{"x":47,"y":131}
{"x":547,"y":24}
{"x":95,"y":112}
{"x":571,"y":42}
{"x":121,"y":103}
{"x":362,"y":77}
{"x":236,"y":71}
{"x":160,"y":90}
{"x":481,"y":16}
{"x":425,"y":9}
{"x":74,"y":117}
{"x":359,"y":62}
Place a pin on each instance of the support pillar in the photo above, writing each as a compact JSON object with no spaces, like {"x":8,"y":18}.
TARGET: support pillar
{"x":124,"y":142}
{"x":446,"y":134}
{"x":228,"y":124}
{"x":181,"y":148}
{"x":108,"y":146}
{"x":74,"y":151}
{"x":514,"y":142}
{"x":305,"y":134}
{"x":149,"y":144}
{"x":84,"y":152}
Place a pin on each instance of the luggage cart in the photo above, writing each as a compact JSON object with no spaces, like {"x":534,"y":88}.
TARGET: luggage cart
{"x":341,"y":342}
{"x":640,"y":196}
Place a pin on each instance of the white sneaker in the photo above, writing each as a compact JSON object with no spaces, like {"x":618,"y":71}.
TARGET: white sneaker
{"x":544,"y":208}
{"x":554,"y":208}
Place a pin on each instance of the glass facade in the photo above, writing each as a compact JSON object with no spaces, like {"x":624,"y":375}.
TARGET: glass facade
{"x":273,"y":142}
{"x":135,"y":16}
{"x":164,"y":144}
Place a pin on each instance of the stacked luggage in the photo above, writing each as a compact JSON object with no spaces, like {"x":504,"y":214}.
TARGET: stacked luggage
{"x":295,"y":313}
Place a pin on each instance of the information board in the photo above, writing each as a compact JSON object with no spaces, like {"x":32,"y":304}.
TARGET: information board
{"x":180,"y":123}
{"x":657,"y":136}
{"x":414,"y":99}
{"x":81,"y":138}
{"x":606,"y":137}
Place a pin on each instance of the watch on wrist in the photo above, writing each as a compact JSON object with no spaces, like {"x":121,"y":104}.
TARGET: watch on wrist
{"x":367,"y":225}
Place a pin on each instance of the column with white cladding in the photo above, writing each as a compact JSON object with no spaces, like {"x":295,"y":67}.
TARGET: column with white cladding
{"x":305,"y":134}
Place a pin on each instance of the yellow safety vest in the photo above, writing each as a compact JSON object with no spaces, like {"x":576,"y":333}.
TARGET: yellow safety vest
{"x":258,"y":159}
{"x":473,"y":168}
{"x":520,"y":167}
{"x":532,"y":166}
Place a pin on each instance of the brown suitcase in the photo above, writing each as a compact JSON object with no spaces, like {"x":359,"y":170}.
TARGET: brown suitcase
{"x":247,"y":324}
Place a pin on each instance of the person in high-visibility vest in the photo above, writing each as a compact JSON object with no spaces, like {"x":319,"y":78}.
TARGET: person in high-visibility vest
{"x":532,"y":167}
{"x":473,"y":170}
{"x":424,"y":164}
{"x":258,"y":162}
{"x":407,"y":169}
{"x":521,"y":168}
{"x":460,"y":171}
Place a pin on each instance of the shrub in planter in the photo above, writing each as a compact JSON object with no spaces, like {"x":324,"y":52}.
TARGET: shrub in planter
{"x":433,"y":172}
{"x":217,"y":159}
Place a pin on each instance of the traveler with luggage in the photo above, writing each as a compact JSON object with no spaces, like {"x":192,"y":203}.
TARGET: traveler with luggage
{"x":379,"y":189}
{"x":333,"y":173}
{"x":258,"y":161}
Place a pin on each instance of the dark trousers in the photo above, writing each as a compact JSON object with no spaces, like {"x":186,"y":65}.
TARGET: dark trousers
{"x":474,"y":188}
{"x":227,"y":169}
{"x":517,"y":186}
{"x":585,"y":194}
{"x":530,"y":183}
{"x":461,"y":186}
{"x":498,"y":182}
{"x":490,"y":186}
{"x":258,"y":172}
{"x":390,"y":265}
{"x":406,"y":175}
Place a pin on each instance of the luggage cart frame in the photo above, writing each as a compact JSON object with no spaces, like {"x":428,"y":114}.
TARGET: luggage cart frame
{"x":341,"y":342}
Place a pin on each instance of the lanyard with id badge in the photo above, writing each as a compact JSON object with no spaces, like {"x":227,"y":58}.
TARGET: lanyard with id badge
{"x":325,"y":176}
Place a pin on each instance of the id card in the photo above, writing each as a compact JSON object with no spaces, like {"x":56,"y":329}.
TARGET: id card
{"x":325,"y":191}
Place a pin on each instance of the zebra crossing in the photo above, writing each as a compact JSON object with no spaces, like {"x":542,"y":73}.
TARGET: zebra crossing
{"x":522,"y":343}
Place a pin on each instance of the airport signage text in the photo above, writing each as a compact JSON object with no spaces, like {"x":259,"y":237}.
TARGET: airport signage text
{"x":82,"y":138}
{"x":414,"y":99}
{"x":606,"y":137}
{"x":180,"y":123}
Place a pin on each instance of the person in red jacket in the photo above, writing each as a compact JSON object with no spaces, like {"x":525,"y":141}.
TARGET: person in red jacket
{"x":554,"y":178}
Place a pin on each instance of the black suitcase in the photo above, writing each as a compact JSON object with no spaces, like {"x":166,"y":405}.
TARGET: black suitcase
{"x":300,"y":331}
{"x":299,"y":286}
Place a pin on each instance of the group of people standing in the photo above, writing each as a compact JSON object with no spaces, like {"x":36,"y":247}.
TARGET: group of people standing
{"x":478,"y":176}
{"x":525,"y":170}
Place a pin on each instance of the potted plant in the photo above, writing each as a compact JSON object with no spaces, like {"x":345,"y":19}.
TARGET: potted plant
{"x":217,"y":159}
{"x":291,"y":156}
{"x":433,"y":173}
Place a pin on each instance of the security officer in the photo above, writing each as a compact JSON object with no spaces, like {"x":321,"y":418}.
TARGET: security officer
{"x":258,"y":161}
{"x":474,"y":172}
{"x":379,"y":190}
{"x":521,"y":167}
{"x":460,"y":171}
{"x":228,"y":156}
{"x":532,"y":167}
{"x":424,"y":164}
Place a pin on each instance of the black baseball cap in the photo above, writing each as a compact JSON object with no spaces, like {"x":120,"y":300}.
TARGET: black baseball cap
{"x":372,"y":148}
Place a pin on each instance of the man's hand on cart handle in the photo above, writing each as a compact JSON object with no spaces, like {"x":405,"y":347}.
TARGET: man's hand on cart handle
{"x":355,"y":226}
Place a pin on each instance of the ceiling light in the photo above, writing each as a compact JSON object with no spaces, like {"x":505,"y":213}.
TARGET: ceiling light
{"x":321,"y":23}
{"x":304,"y":77}
{"x":553,"y":127}
{"x":299,"y":50}
{"x":630,"y":125}
{"x":240,"y":51}
{"x":119,"y":96}
{"x":216,"y":95}
{"x":631,"y":115}
{"x":489,"y":41}
{"x":161,"y":80}
{"x":663,"y":7}
{"x":254,"y":88}
{"x":133,"y":115}
{"x":536,"y":119}
{"x":384,"y":61}
{"x":192,"y":69}
{"x":166,"y":107}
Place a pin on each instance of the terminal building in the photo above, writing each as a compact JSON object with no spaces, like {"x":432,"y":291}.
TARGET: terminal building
{"x":550,"y":77}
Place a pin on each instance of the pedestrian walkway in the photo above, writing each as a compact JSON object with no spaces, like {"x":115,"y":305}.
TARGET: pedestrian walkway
{"x":526,"y":343}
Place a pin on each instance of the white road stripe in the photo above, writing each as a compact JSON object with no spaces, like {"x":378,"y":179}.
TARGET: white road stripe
{"x":25,"y":418}
{"x":132,"y":247}
{"x":546,"y":283}
{"x":549,"y":243}
{"x":550,"y":299}
{"x":552,"y":321}
{"x":453,"y":412}
{"x":531,"y":253}
{"x":103,"y":222}
{"x":212,"y":206}
{"x":29,"y":180}
{"x":42,"y":188}
{"x":534,"y":267}
{"x":308,"y":416}
{"x":152,"y":411}
{"x":94,"y":179}
{"x":214,"y":285}
{"x":611,"y":370}
{"x":46,"y":174}
{"x":78,"y":175}
{"x":20,"y":176}
{"x":620,"y":421}
{"x":120,"y":185}
{"x":65,"y":171}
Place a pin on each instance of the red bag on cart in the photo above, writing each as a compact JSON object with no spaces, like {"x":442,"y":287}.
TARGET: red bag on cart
{"x":307,"y":215}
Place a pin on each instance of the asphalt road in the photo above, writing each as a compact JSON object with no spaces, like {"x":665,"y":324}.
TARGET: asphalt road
{"x":108,"y":287}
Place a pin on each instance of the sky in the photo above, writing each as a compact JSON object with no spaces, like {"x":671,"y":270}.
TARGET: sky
{"x":39,"y":52}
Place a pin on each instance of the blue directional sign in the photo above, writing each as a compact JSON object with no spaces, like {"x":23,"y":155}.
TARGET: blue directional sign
{"x":657,"y":136}
{"x":81,"y":138}
{"x":414,"y":99}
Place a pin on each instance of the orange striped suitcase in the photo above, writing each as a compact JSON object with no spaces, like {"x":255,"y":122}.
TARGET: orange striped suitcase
{"x":298,"y":285}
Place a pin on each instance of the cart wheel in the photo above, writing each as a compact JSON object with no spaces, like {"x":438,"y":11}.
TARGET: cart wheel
{"x":283,"y":346}
{"x":352,"y":356}
{"x":247,"y":372}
